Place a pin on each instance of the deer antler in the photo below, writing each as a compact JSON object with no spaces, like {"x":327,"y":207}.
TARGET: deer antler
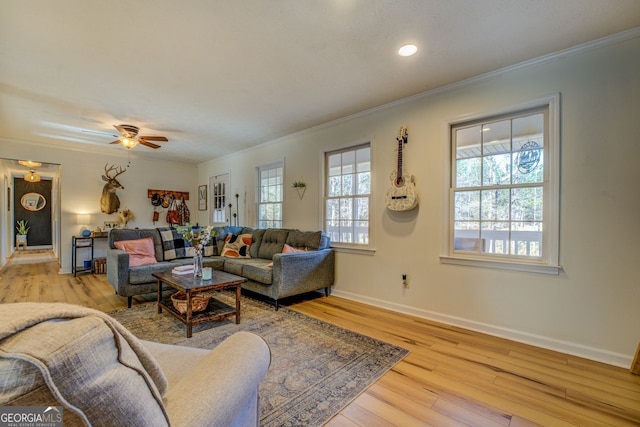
{"x":119,"y":171}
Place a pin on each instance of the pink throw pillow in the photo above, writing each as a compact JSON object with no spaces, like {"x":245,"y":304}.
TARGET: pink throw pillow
{"x":141,"y":251}
{"x":290,"y":249}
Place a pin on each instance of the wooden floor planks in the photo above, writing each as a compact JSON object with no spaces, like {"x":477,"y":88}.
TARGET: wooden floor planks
{"x":452,"y":377}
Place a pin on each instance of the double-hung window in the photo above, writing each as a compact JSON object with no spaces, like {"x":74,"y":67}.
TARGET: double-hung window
{"x":270,"y":195}
{"x":347,"y":197}
{"x":504,"y":190}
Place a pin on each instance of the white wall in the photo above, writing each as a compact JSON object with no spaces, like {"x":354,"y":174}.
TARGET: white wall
{"x":81,"y":186}
{"x":591,"y":308}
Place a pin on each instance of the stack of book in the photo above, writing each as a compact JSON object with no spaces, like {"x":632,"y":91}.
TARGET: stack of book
{"x":183,"y":269}
{"x":100,"y":265}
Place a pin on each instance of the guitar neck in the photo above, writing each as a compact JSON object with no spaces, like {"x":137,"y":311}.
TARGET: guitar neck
{"x":399,"y":180}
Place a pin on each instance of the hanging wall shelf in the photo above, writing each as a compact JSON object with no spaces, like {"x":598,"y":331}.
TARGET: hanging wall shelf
{"x":178,"y":195}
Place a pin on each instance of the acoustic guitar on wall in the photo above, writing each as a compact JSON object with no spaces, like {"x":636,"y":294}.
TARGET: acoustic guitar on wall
{"x":401,"y":195}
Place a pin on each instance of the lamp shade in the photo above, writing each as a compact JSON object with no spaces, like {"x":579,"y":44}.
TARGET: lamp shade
{"x":84,"y":219}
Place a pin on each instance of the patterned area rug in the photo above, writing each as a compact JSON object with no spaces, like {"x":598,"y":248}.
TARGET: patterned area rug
{"x":316,"y":369}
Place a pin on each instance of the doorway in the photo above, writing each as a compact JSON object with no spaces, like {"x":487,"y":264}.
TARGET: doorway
{"x":32,"y":201}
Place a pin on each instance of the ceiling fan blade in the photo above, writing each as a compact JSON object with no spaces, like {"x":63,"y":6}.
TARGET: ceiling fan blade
{"x":119,"y":129}
{"x":148,"y":144}
{"x":154,"y":138}
{"x":117,"y":141}
{"x":128,"y":131}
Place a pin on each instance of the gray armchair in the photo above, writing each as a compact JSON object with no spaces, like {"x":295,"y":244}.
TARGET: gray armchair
{"x":100,"y":374}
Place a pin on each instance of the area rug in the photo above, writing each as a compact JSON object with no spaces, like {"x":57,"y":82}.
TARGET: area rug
{"x":316,"y":370}
{"x":32,"y":257}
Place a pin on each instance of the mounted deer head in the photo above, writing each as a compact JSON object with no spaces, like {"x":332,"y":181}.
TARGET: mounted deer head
{"x":109,"y":202}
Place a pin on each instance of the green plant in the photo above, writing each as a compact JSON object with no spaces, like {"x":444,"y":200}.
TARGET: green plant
{"x":299,"y":184}
{"x":22,"y":228}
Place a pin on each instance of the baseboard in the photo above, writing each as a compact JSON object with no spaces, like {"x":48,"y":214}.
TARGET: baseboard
{"x":598,"y":355}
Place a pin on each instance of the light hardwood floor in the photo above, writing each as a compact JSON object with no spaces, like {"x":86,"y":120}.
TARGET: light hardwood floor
{"x":452,"y":377}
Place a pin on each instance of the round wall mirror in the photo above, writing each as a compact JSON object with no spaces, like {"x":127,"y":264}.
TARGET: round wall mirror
{"x":33,"y":201}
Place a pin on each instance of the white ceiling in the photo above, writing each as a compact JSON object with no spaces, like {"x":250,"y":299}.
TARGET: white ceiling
{"x":220,"y":76}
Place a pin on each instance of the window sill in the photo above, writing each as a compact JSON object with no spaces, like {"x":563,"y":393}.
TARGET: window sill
{"x":503,"y":265}
{"x":354,"y":250}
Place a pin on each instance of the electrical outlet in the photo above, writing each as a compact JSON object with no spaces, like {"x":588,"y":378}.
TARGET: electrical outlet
{"x":405,"y":281}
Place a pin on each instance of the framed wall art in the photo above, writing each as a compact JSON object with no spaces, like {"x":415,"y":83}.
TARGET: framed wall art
{"x":202,"y":198}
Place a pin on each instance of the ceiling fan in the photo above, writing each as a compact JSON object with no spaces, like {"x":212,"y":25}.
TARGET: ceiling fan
{"x":130,"y":138}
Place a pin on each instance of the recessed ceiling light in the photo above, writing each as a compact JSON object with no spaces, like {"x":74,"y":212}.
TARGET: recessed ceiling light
{"x":407,"y":50}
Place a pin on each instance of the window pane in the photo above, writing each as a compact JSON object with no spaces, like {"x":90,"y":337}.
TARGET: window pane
{"x":348,"y":162}
{"x":334,"y":187}
{"x":466,"y":236}
{"x":496,"y":170}
{"x":362,"y":208}
{"x":334,"y":163}
{"x":526,"y":238}
{"x":467,"y":205}
{"x":468,"y":142}
{"x":361,"y":232}
{"x":496,"y":237}
{"x":496,"y":138}
{"x":348,"y":187}
{"x":364,"y":183}
{"x":495,"y":205}
{"x":346,"y":208}
{"x":468,"y":172}
{"x":363,"y":158}
{"x":526,"y":204}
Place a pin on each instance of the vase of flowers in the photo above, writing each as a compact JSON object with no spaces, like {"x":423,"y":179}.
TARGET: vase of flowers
{"x":125,"y":216}
{"x":197,"y":237}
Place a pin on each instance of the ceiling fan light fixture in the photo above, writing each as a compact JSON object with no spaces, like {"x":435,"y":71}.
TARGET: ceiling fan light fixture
{"x":31,"y":176}
{"x":129,"y":143}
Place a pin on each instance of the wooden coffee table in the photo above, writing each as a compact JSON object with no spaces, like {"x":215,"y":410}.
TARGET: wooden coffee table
{"x":216,"y":310}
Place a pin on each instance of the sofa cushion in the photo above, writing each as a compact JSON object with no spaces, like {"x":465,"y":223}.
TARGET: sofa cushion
{"x":141,"y":251}
{"x":273,"y":241}
{"x":142,"y":274}
{"x":304,"y":239}
{"x":237,"y":246}
{"x":257,"y":241}
{"x":235,"y":265}
{"x":258,"y":270}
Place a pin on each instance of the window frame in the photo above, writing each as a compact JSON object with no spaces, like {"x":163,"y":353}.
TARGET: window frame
{"x":549,"y":261}
{"x":324,"y":171}
{"x":259,"y":169}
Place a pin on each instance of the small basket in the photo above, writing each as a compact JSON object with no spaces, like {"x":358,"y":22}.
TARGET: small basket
{"x":198,"y":302}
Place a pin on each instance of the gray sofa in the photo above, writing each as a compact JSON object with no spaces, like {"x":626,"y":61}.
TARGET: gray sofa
{"x":291,"y":273}
{"x":54,"y":354}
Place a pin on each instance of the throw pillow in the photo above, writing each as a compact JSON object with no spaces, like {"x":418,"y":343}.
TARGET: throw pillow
{"x":290,"y":249}
{"x":141,"y":251}
{"x":237,"y":246}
